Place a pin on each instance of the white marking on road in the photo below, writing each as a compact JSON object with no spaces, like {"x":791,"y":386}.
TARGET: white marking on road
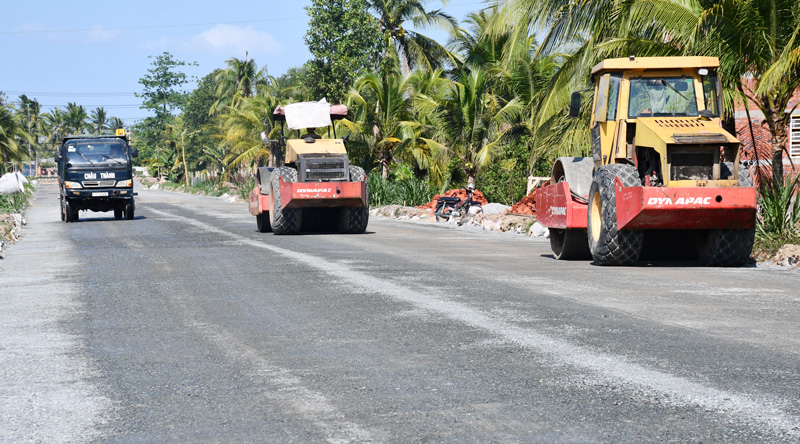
{"x":287,"y":388}
{"x":675,"y":390}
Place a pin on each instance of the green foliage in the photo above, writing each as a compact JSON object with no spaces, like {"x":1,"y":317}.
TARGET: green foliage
{"x":15,"y":203}
{"x":780,"y":209}
{"x":409,"y":191}
{"x":345,"y":42}
{"x":506,"y":181}
{"x":162,"y":95}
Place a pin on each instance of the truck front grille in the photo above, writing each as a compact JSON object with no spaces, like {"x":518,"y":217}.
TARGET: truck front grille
{"x":99,"y":183}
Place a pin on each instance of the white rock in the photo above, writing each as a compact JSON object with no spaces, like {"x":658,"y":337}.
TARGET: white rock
{"x":539,"y":230}
{"x":495,"y":208}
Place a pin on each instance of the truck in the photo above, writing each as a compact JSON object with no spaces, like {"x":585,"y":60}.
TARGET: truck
{"x":663,"y":176}
{"x":96,"y":173}
{"x":313,"y":182}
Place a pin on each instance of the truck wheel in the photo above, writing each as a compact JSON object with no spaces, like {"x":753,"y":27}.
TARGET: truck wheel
{"x":70,"y":212}
{"x":63,"y":211}
{"x":726,"y":248}
{"x":569,"y":244}
{"x":608,"y":245}
{"x":283,"y":220}
{"x":262,"y":222}
{"x":118,"y":213}
{"x":354,"y":220}
{"x":129,"y":210}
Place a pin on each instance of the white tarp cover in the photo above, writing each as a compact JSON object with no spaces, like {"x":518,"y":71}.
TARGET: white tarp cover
{"x":308,"y":115}
{"x":12,"y":183}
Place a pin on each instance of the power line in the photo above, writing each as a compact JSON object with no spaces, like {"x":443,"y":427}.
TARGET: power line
{"x":131,"y":28}
{"x":70,"y":94}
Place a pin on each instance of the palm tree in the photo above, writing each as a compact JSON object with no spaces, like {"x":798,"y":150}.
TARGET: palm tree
{"x":99,"y":121}
{"x":29,"y":118}
{"x":413,"y":49}
{"x":55,"y":123}
{"x":758,"y":41}
{"x":76,"y":118}
{"x":115,"y":123}
{"x":12,"y":134}
{"x":239,"y":81}
{"x":242,"y":126}
{"x":381,"y":115}
{"x":473,"y":120}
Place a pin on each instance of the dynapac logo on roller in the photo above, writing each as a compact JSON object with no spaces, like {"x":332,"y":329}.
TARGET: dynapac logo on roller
{"x":679,"y":201}
{"x":558,"y":211}
{"x":314,"y":190}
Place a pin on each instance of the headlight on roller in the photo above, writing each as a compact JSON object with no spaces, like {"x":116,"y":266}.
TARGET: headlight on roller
{"x":124,"y":183}
{"x":69,"y":184}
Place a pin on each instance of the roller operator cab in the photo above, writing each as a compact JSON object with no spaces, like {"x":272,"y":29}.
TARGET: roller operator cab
{"x":95,"y":173}
{"x":662,"y":167}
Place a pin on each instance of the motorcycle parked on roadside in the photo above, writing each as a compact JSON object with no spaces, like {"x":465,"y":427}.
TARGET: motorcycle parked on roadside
{"x":447,"y":207}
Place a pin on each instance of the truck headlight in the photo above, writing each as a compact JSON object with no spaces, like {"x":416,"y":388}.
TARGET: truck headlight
{"x":69,"y":184}
{"x":124,"y":183}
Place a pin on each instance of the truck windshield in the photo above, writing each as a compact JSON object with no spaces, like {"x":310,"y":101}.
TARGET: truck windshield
{"x":662,"y":96}
{"x":97,"y":152}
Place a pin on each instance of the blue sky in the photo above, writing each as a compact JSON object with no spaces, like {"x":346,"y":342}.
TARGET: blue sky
{"x":94,"y":52}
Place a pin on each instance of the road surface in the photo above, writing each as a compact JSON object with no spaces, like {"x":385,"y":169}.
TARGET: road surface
{"x":186,"y":325}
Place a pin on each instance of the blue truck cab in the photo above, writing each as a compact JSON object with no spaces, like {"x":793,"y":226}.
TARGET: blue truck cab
{"x":96,"y":173}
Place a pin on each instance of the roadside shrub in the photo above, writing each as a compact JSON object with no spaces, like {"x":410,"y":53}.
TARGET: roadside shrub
{"x":780,"y":208}
{"x":408,"y":191}
{"x":15,"y":203}
{"x":779,"y":216}
{"x":244,"y":187}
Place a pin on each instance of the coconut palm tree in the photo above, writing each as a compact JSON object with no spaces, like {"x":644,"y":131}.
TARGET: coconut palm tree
{"x":242,"y":126}
{"x":12,"y":136}
{"x":413,"y":49}
{"x":55,"y":123}
{"x":239,"y":81}
{"x":758,"y":41}
{"x":76,"y":117}
{"x":115,"y":123}
{"x":381,"y":115}
{"x":99,"y":121}
{"x":473,"y":121}
{"x":755,"y":40}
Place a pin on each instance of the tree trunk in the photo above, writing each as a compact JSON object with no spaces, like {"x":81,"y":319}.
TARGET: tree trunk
{"x":779,"y":139}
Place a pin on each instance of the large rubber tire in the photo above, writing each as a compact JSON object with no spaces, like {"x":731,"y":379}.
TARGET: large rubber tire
{"x":570,"y":244}
{"x":63,"y":210}
{"x":354,"y":220}
{"x":70,"y":212}
{"x":262,"y":223}
{"x":608,"y":245}
{"x":283,"y":220}
{"x":130,"y":209}
{"x":726,"y":248}
{"x":745,"y":180}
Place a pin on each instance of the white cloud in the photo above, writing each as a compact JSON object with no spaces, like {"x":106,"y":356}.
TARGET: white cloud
{"x":233,"y":41}
{"x":99,"y":35}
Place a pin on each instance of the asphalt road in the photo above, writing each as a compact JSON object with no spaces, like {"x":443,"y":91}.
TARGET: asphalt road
{"x":186,"y":325}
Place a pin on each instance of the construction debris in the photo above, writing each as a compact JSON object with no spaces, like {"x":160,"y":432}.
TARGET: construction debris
{"x":526,"y":206}
{"x":459,"y":193}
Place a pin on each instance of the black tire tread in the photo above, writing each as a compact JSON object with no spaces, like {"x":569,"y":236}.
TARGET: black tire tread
{"x":727,"y":247}
{"x":354,"y":220}
{"x":614,"y":247}
{"x":284,"y":221}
